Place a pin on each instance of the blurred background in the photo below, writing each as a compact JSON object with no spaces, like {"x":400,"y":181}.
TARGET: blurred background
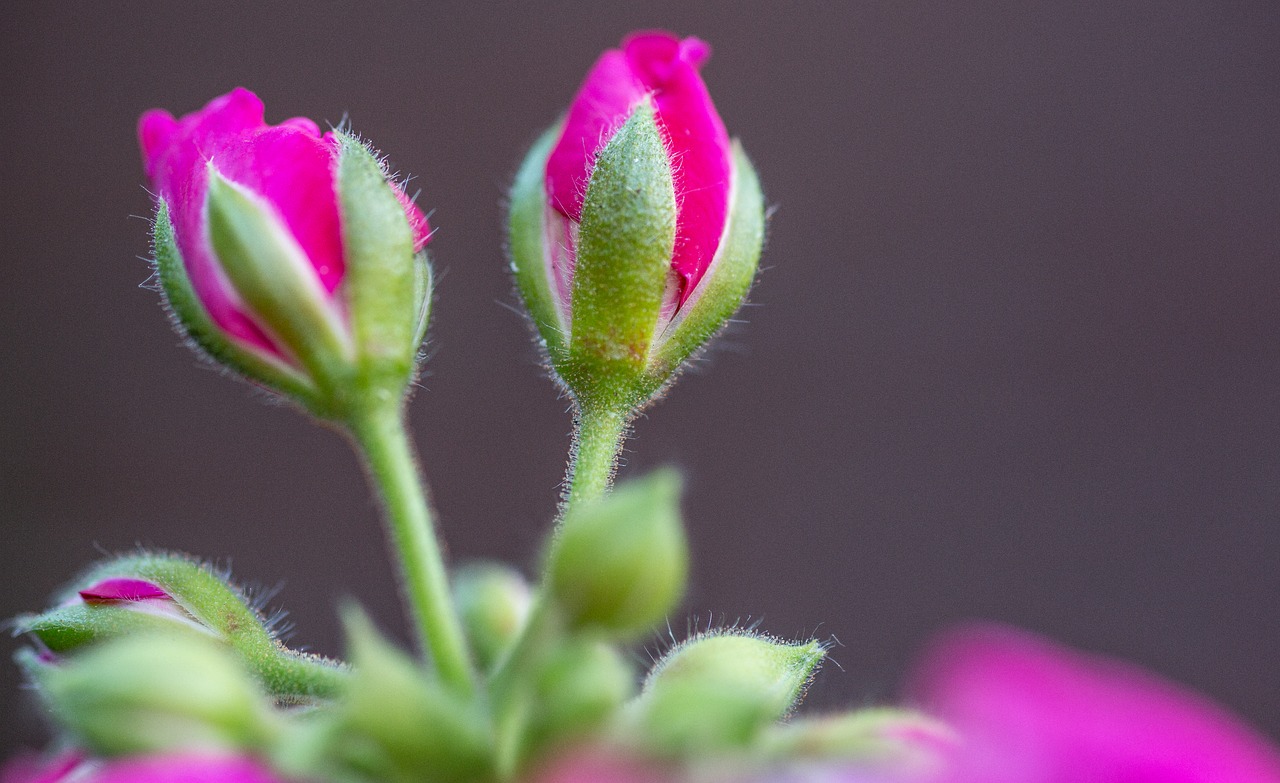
{"x":1013,"y":354}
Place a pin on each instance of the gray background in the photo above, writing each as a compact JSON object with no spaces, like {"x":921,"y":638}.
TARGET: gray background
{"x":1014,"y":354}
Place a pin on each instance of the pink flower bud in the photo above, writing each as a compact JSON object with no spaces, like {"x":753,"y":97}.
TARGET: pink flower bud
{"x":287,"y":176}
{"x":659,"y":66}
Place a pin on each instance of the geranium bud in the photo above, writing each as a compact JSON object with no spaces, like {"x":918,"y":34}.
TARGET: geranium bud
{"x":722,"y":689}
{"x":158,"y":691}
{"x":636,"y":223}
{"x":400,"y":722}
{"x":135,"y":594}
{"x":582,"y":683}
{"x":286,"y":255}
{"x":493,"y":601}
{"x":619,"y":563}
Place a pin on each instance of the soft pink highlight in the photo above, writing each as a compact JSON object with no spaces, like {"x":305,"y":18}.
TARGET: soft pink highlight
{"x":665,"y":68}
{"x":1029,"y":711}
{"x":290,"y":166}
{"x":168,"y":768}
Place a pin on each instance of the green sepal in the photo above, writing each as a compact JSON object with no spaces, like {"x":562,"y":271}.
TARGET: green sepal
{"x":623,"y":263}
{"x":156,"y":692}
{"x":66,"y":628}
{"x":493,"y":603}
{"x":725,"y":285}
{"x":272,"y":274}
{"x":387,"y":286}
{"x":721,"y":691}
{"x":211,"y":602}
{"x":618,"y":564}
{"x":400,"y":723}
{"x":191,"y":319}
{"x":526,"y":234}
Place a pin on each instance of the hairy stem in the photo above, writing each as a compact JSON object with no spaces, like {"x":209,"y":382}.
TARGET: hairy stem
{"x":598,"y":436}
{"x":389,"y":457}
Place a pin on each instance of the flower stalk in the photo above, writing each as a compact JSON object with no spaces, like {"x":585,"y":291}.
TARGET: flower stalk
{"x":380,"y":436}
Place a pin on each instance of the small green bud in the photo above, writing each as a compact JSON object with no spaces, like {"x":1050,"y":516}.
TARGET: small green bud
{"x":398,"y":722}
{"x":493,"y":601}
{"x":581,"y":684}
{"x":158,"y":691}
{"x":619,"y":563}
{"x":722,"y":689}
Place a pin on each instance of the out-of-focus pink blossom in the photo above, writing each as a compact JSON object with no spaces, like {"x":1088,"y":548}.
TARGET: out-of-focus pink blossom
{"x":1030,"y":711}
{"x":290,"y":167}
{"x":663,"y":68}
{"x":73,"y":767}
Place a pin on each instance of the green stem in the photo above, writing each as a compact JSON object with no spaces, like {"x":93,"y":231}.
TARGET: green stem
{"x":511,"y":688}
{"x":598,"y":435}
{"x":388,"y":454}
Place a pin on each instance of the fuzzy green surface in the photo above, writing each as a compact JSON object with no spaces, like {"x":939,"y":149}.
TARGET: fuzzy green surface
{"x":625,"y":244}
{"x":525,"y":236}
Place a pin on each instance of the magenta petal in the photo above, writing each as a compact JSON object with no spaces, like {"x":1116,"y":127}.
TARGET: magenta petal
{"x":122,"y":589}
{"x":1032,"y":712}
{"x":603,"y":103}
{"x":698,"y":144}
{"x":184,"y":768}
{"x":289,"y":165}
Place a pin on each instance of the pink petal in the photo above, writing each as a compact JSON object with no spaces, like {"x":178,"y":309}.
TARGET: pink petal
{"x":604,"y":102}
{"x":184,"y":768}
{"x":122,"y":589}
{"x":1032,"y":712}
{"x":289,"y":165}
{"x":698,"y":143}
{"x":665,"y":67}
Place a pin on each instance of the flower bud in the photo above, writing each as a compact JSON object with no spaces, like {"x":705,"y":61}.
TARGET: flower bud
{"x":579,"y":686}
{"x":158,"y":691}
{"x":636,"y":223}
{"x":285,"y":255}
{"x":722,"y":689}
{"x":493,"y":602}
{"x":135,"y":594}
{"x":619,"y":563}
{"x":398,"y":722}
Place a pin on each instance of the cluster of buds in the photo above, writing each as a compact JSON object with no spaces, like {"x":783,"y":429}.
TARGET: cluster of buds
{"x":294,"y":260}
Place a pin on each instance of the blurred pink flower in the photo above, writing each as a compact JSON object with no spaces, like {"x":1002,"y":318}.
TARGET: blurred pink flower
{"x":1029,"y":711}
{"x":73,"y":767}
